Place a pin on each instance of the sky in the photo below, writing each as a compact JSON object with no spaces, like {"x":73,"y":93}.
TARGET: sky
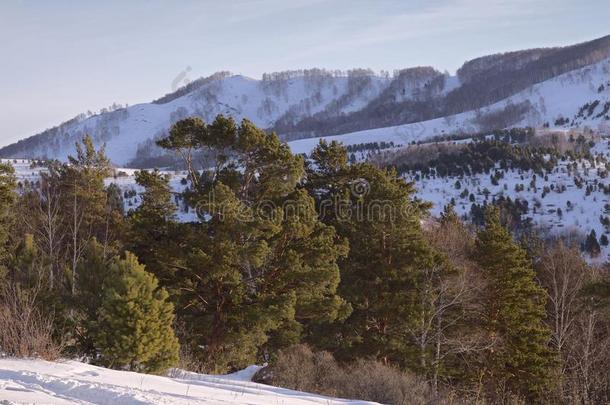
{"x":60,"y":58}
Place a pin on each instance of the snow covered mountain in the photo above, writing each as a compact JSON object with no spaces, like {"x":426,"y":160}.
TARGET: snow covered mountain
{"x":129,"y":132}
{"x":577,"y":99}
{"x":555,"y":87}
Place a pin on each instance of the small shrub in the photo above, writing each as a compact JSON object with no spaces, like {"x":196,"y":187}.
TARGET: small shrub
{"x":187,"y":361}
{"x":372,"y":380}
{"x":24,"y":330}
{"x":301,"y":369}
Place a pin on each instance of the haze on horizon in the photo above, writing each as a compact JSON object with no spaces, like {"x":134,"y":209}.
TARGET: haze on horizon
{"x":62,"y":58}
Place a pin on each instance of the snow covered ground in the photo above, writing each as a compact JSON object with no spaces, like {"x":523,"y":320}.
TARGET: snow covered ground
{"x":72,"y":382}
{"x":126,"y":181}
{"x":260,"y":101}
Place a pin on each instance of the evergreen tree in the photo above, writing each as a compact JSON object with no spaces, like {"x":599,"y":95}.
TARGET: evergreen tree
{"x":92,"y":272}
{"x":260,"y":268}
{"x":84,"y":201}
{"x":155,"y":234}
{"x":134,"y":327}
{"x":519,"y":359}
{"x":449,"y":216}
{"x":7,"y":199}
{"x":591,"y":244}
{"x":374,"y":210}
{"x":115,"y":199}
{"x":26,"y":266}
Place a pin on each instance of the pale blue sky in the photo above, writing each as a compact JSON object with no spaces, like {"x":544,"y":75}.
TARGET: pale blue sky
{"x":59,"y":58}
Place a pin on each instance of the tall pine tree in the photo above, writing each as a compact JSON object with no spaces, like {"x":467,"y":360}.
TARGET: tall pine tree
{"x":260,"y":269}
{"x":518,"y":361}
{"x":84,"y":203}
{"x":7,"y":199}
{"x":92,"y":271}
{"x":375,"y":211}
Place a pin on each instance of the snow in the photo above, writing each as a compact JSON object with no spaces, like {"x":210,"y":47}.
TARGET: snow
{"x":72,"y":382}
{"x":126,"y":181}
{"x":24,"y":170}
{"x":400,"y":134}
{"x":124,"y":178}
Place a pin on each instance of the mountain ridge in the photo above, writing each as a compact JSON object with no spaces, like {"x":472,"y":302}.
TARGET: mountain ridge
{"x":318,"y":102}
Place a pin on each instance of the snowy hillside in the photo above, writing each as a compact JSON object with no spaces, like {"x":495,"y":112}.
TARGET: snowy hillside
{"x":126,"y":130}
{"x":557,"y":87}
{"x":565,"y":208}
{"x":71,"y":382}
{"x":576,"y":99}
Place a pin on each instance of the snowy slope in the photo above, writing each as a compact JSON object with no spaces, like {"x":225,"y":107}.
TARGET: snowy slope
{"x":72,"y":382}
{"x":399,"y":135}
{"x":564,"y":95}
{"x":560,"y":97}
{"x":566,"y":209}
{"x":261,"y":101}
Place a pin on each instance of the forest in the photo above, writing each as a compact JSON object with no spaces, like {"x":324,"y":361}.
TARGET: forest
{"x":325,"y":268}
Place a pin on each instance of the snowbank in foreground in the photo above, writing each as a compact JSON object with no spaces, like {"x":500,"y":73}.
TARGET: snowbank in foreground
{"x":72,"y":382}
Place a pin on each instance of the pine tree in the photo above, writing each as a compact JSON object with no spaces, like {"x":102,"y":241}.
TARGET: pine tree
{"x":155,"y":234}
{"x":449,"y":216}
{"x":519,"y":359}
{"x":92,"y":272}
{"x":134,"y":327}
{"x":373,"y":209}
{"x":115,"y":199}
{"x":260,"y":269}
{"x":591,"y":244}
{"x":84,"y":201}
{"x":26,"y":266}
{"x":7,"y":199}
